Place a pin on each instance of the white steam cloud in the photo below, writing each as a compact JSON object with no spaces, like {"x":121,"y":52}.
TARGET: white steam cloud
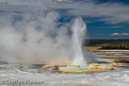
{"x":35,"y":36}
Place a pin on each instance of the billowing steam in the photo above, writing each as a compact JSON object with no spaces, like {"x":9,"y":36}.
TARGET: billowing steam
{"x":35,"y":36}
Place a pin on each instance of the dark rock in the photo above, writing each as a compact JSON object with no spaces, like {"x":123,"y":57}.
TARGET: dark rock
{"x":111,"y":69}
{"x":123,"y":61}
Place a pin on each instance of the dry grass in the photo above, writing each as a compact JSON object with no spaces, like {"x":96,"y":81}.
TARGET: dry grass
{"x":91,"y":48}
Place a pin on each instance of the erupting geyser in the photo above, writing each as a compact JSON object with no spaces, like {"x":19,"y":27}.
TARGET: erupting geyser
{"x":79,"y":63}
{"x":79,"y":30}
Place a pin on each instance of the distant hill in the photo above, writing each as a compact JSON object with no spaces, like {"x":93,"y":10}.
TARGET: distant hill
{"x":108,"y":43}
{"x":92,"y":42}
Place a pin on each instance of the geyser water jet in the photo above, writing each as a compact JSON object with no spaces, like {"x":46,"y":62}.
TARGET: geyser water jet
{"x":79,"y":30}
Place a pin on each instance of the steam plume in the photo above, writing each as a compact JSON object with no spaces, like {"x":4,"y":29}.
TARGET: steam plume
{"x":34,"y":36}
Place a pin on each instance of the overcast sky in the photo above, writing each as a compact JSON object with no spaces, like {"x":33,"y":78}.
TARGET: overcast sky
{"x":105,"y":19}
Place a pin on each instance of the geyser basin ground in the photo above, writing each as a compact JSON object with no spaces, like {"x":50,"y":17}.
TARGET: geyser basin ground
{"x":12,"y":72}
{"x":51,"y":77}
